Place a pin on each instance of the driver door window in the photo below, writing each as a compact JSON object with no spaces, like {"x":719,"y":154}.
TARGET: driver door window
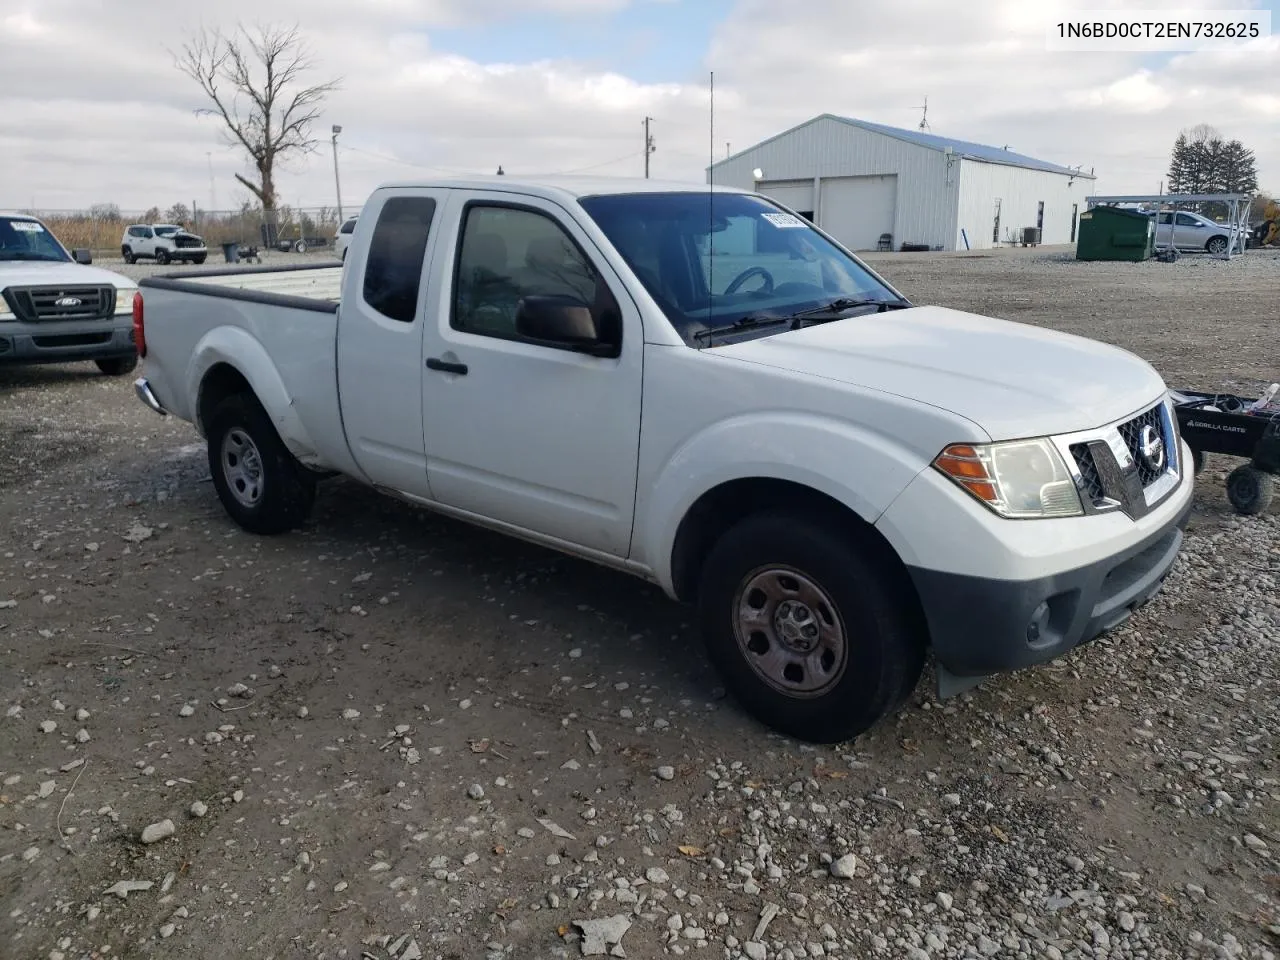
{"x":508,"y":253}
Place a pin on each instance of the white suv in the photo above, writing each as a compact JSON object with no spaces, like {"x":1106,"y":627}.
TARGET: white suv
{"x":342,"y":239}
{"x":162,"y":242}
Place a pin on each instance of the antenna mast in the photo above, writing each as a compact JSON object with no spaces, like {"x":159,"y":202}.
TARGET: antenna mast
{"x":711,"y":179}
{"x":924,"y":115}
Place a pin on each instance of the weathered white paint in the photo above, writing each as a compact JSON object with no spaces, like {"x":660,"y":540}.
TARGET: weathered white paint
{"x":936,"y":195}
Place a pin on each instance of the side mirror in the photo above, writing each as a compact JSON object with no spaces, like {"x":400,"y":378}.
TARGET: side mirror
{"x":83,"y":256}
{"x":561,"y":320}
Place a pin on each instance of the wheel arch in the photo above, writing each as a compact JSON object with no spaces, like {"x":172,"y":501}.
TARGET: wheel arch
{"x":718,"y":509}
{"x":229,"y":360}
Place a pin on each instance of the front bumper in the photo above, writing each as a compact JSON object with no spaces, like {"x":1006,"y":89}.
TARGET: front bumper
{"x":981,"y":626}
{"x":63,"y":341}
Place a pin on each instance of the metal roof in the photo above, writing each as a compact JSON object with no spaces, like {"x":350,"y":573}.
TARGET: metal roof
{"x":930,"y":141}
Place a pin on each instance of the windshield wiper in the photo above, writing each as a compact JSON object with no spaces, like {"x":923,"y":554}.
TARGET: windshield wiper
{"x":835,"y":310}
{"x":750,"y":322}
{"x":832,"y":310}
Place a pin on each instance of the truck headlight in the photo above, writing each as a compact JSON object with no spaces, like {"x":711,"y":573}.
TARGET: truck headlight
{"x":124,"y":300}
{"x":6,"y":312}
{"x":1018,"y":479}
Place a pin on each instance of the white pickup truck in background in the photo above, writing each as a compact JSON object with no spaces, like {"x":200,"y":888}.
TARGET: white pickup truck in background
{"x":698,"y":387}
{"x":57,"y":308}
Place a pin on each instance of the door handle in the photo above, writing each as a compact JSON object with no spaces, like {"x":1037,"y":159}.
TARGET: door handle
{"x":446,"y":366}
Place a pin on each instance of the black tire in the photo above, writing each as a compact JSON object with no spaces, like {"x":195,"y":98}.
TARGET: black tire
{"x":1216,"y":245}
{"x":127,"y":254}
{"x":300,"y":246}
{"x":117,"y":366}
{"x":870,"y":599}
{"x":1249,"y":489}
{"x":162,"y":256}
{"x":1197,"y":460}
{"x":285,"y":490}
{"x":199,"y":259}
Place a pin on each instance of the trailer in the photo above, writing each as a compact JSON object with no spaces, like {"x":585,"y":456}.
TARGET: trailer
{"x":1223,"y":423}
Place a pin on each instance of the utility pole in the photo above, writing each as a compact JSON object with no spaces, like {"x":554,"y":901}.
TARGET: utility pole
{"x":924,"y":116}
{"x":648,"y":145}
{"x":336,"y":182}
{"x":213,"y":194}
{"x":726,"y":149}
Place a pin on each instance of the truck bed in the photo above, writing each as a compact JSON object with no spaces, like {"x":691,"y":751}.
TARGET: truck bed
{"x":276,"y":326}
{"x":320,"y":282}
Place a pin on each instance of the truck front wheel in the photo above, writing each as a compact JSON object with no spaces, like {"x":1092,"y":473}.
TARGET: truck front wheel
{"x":812,"y":631}
{"x":259,"y":482}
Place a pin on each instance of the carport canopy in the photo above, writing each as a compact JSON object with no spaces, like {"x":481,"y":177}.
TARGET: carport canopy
{"x":1237,"y":204}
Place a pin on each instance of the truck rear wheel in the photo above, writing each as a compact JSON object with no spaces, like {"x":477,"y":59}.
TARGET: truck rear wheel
{"x":812,"y":631}
{"x":260,"y":483}
{"x":117,"y":366}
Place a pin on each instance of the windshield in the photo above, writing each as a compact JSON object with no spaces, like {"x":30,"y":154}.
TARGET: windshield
{"x":166,"y":231}
{"x":711,"y":260}
{"x":28,"y":240}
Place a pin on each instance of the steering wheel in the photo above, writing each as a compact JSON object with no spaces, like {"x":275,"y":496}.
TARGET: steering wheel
{"x":745,"y":275}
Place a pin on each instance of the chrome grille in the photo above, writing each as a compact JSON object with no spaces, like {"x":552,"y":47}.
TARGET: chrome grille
{"x":1111,"y":471}
{"x":1090,"y":481}
{"x":32,"y":304}
{"x":1131,"y":431}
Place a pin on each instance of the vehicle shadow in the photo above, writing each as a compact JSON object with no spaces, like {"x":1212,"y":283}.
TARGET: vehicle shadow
{"x":36,"y":375}
{"x":454,"y":571}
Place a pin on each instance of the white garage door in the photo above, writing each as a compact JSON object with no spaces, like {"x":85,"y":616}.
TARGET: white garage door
{"x":857,"y":210}
{"x":796,"y":194}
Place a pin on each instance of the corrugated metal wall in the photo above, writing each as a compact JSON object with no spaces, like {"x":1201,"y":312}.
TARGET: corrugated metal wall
{"x":927,"y":203}
{"x":1019,"y":191}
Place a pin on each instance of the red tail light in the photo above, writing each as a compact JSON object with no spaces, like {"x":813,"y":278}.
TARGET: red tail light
{"x":139,"y":326}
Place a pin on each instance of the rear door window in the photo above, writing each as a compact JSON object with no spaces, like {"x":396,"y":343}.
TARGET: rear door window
{"x":393,"y":265}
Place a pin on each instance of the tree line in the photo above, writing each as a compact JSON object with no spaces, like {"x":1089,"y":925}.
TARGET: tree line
{"x":1204,"y":161}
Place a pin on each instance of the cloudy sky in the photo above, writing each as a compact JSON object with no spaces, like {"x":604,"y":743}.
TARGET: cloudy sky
{"x":93,"y":110}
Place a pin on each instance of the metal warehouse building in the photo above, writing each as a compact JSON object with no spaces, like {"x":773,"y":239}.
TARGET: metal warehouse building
{"x":861,"y":181}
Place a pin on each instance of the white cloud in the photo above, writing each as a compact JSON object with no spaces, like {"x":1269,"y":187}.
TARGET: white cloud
{"x":92,"y":108}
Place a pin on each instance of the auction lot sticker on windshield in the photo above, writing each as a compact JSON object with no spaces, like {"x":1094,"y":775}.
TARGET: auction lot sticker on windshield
{"x":784,"y":220}
{"x":26,"y":226}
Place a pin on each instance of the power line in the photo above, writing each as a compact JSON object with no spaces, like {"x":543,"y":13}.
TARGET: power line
{"x":407,"y":163}
{"x":596,"y":166}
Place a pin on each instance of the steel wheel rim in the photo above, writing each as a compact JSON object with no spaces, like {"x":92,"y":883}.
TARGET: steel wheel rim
{"x":790,"y":632}
{"x":242,"y":467}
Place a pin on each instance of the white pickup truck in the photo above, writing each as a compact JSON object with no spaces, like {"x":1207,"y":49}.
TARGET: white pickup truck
{"x":698,"y":387}
{"x":55,"y":307}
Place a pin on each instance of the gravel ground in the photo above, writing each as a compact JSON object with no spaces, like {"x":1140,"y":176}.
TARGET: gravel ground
{"x":392,"y":735}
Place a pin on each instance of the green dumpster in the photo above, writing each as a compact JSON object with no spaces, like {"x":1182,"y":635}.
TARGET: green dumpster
{"x":1113,"y":233}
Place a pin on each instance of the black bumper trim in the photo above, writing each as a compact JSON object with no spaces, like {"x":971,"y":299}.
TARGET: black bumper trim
{"x":980,"y":626}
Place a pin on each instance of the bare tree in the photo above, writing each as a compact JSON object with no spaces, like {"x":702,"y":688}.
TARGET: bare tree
{"x":255,"y":81}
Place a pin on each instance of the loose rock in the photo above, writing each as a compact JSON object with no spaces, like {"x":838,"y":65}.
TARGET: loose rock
{"x":156,"y":832}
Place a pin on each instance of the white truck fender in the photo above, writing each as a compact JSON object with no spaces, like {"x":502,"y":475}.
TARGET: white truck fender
{"x":816,"y":451}
{"x":240,"y":350}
